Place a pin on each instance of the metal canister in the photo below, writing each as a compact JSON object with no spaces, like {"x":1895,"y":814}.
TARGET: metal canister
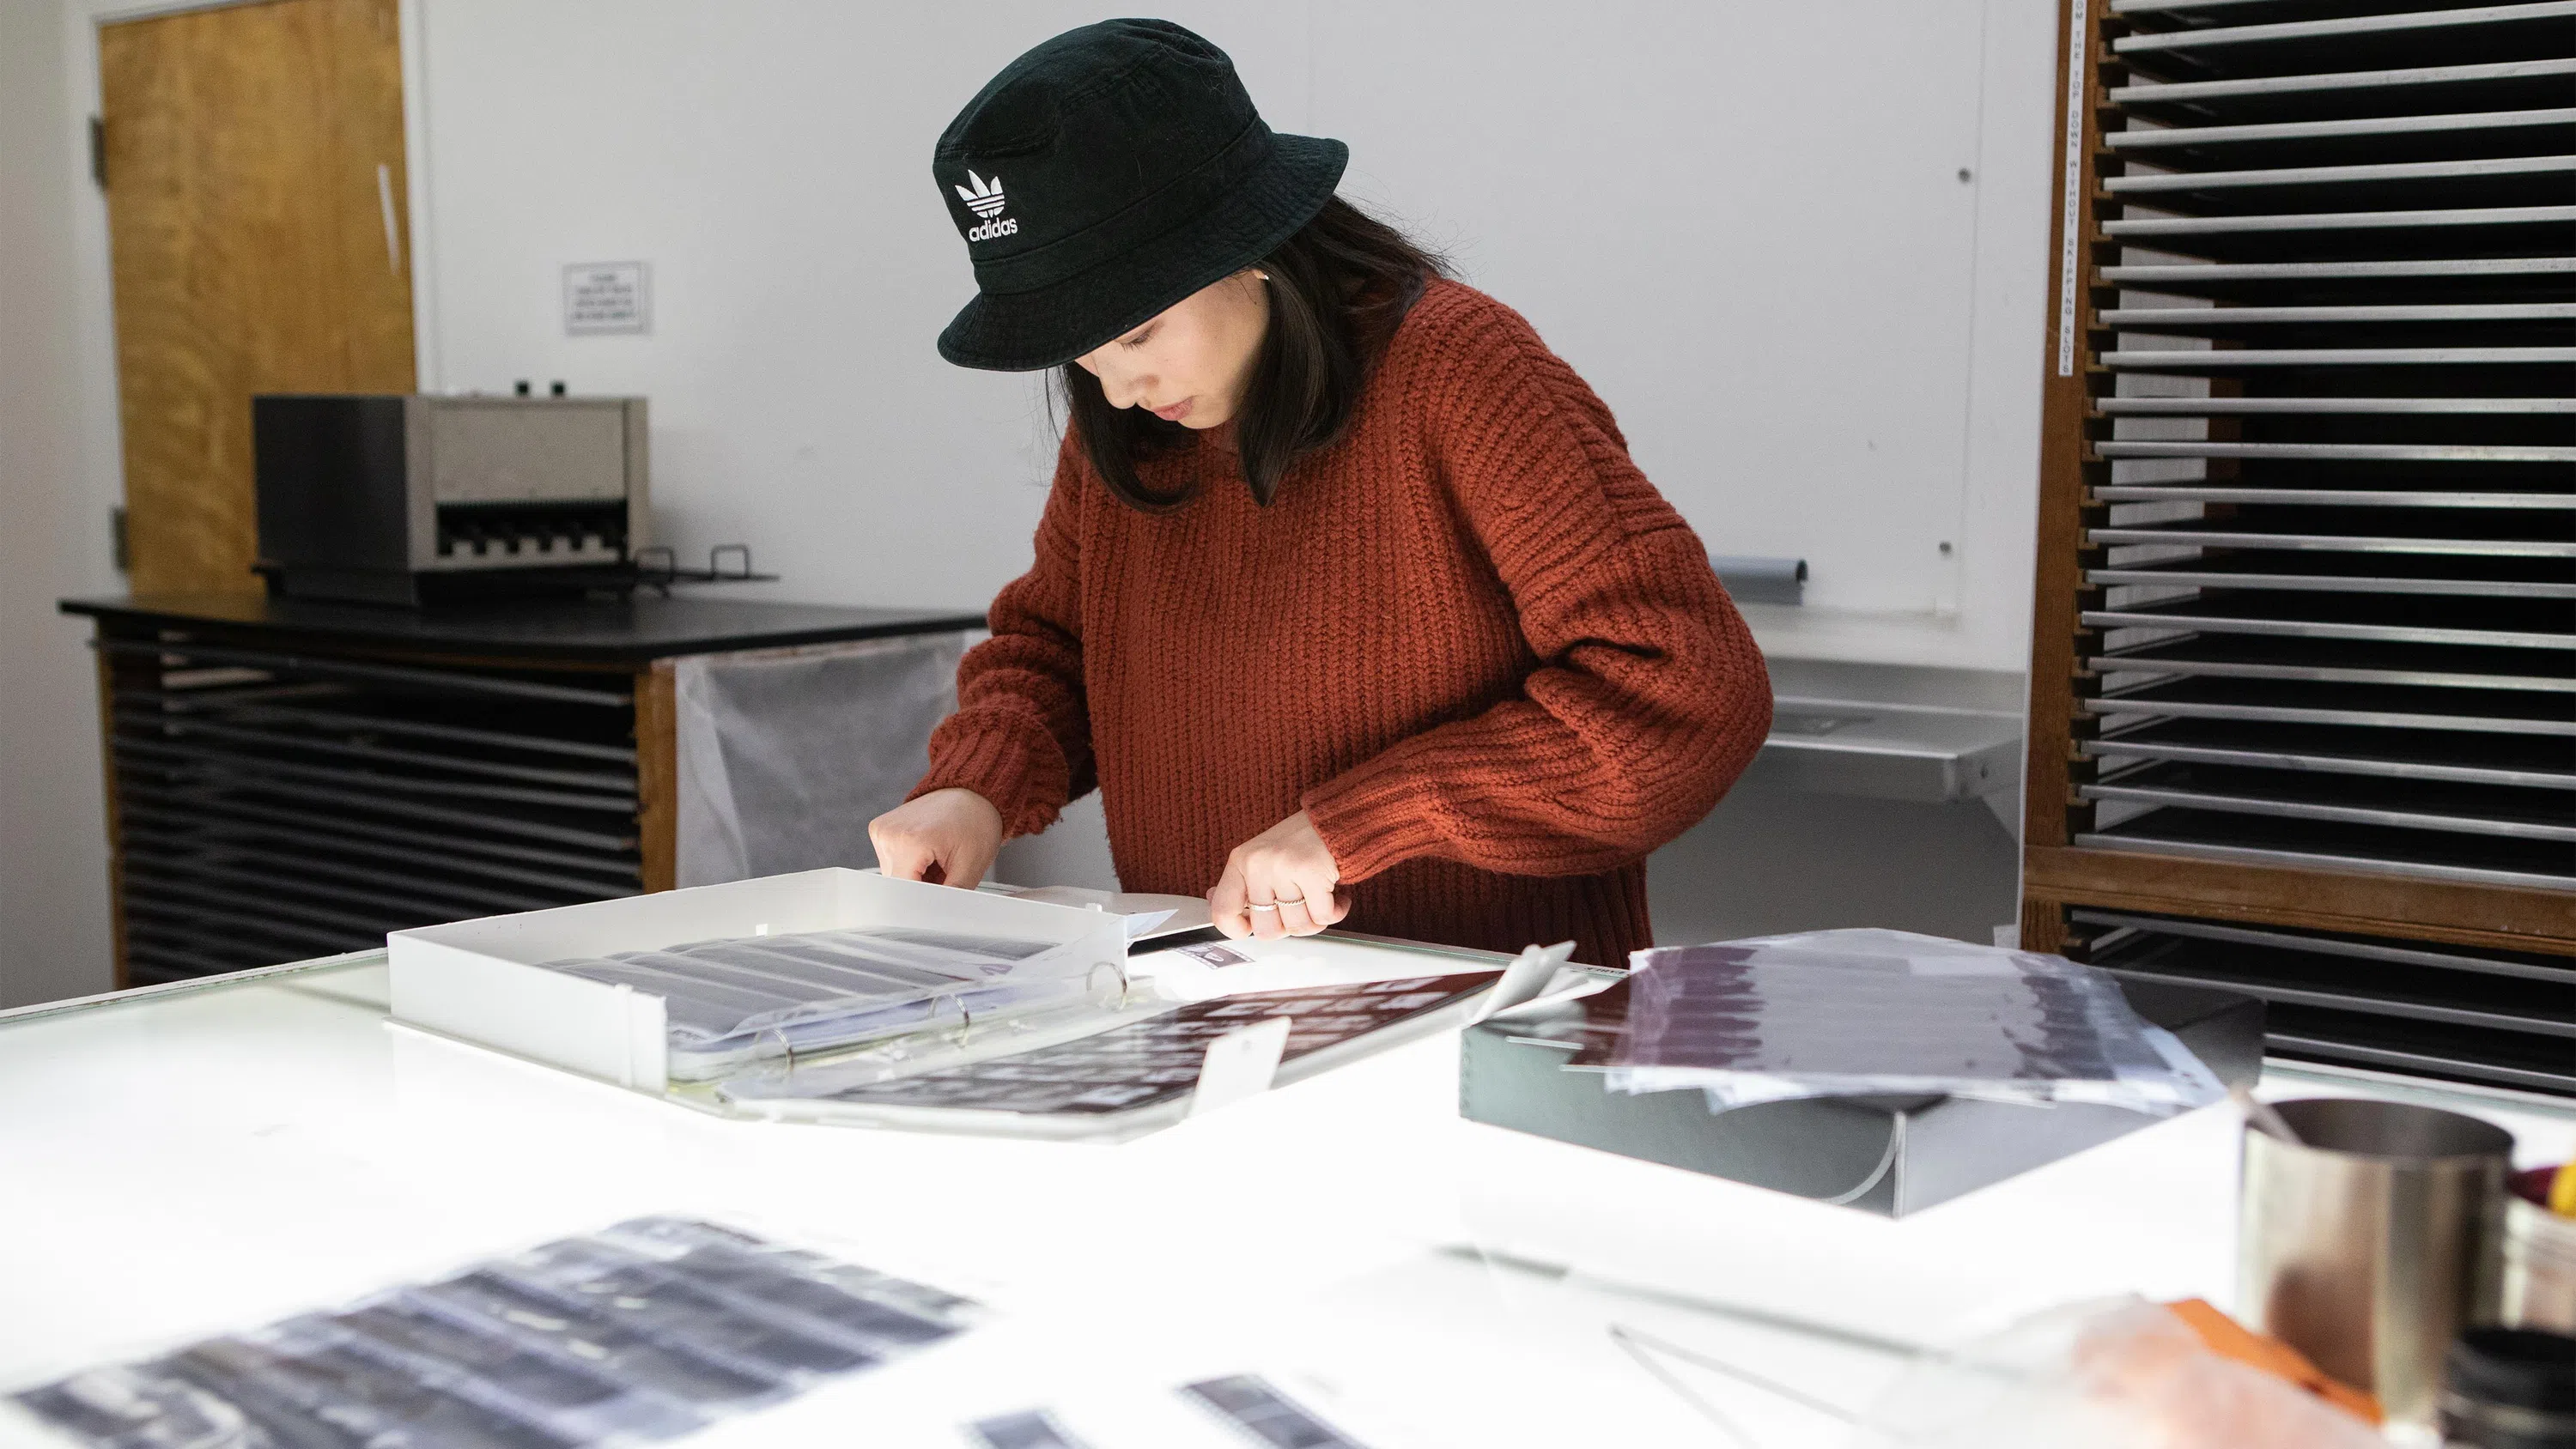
{"x":2370,"y":1243}
{"x":2539,"y":1258}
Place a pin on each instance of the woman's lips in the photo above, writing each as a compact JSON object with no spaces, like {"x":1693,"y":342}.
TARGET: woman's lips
{"x":1175,"y":412}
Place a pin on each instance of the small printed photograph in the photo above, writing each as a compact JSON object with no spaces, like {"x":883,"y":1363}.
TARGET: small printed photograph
{"x":1035,"y":1429}
{"x":1215,"y":955}
{"x":1264,"y":1415}
{"x":287,"y":1384}
{"x":552,"y":1324}
{"x":120,"y":1405}
{"x":577,"y":1401}
{"x":1168,"y":1035}
{"x":657,"y":1301}
{"x":1341,"y":1023}
{"x":1114,"y":1097}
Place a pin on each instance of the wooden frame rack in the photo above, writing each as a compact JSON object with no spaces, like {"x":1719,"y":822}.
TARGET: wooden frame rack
{"x":2303,"y":705}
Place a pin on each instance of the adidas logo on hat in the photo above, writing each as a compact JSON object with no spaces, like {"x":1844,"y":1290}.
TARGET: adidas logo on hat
{"x":984,"y":198}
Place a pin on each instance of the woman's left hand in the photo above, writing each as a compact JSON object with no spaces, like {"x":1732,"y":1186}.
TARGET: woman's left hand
{"x":1286,"y":869}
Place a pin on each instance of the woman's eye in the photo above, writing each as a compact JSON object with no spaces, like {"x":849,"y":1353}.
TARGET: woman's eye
{"x":1139,"y":340}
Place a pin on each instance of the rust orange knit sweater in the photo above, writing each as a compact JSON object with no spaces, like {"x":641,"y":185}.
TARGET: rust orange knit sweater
{"x":1469,"y":639}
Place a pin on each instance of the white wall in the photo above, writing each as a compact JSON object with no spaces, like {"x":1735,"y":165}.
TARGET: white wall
{"x":53,"y":858}
{"x":772,"y":163}
{"x":1743,"y":222}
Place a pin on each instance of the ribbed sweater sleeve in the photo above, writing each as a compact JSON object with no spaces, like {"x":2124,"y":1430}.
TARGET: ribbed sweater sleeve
{"x":1648,"y":697}
{"x":1021,"y":736}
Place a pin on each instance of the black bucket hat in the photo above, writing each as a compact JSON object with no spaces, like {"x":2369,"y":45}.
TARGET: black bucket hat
{"x":1106,"y":175}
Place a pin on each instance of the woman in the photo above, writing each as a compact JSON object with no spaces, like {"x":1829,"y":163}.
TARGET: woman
{"x":1347,"y":597}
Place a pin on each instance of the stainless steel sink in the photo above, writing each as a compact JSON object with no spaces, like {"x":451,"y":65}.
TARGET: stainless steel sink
{"x":1892,"y":732}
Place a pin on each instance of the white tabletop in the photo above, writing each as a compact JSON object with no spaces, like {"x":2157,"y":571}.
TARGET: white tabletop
{"x":210,"y":1159}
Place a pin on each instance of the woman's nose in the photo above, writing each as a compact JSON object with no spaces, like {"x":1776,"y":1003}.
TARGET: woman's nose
{"x":1122,"y":391}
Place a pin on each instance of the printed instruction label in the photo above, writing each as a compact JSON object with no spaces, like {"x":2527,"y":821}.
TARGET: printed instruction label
{"x":607,"y":297}
{"x":2071,"y":203}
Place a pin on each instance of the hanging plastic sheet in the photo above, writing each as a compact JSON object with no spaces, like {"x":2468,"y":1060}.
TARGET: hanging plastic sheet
{"x":785,"y":755}
{"x":1848,"y":1013}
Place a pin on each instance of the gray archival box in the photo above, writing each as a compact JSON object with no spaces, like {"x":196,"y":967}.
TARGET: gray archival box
{"x":1901,"y":1154}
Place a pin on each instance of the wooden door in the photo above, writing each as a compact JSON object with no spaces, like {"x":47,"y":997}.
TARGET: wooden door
{"x":255,"y":193}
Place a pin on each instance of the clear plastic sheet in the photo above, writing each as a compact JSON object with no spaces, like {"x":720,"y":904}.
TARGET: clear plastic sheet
{"x":2115,"y":1374}
{"x":1869,"y":1012}
{"x":647,"y":1331}
{"x":785,"y":755}
{"x":1140,"y":1061}
{"x":734,"y":1002}
{"x":984,"y":1039}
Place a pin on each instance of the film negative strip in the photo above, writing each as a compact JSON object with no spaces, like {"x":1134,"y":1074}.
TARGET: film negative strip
{"x":1249,"y":1405}
{"x":1156,"y":1060}
{"x":646,"y":1331}
{"x":1030,"y":1429}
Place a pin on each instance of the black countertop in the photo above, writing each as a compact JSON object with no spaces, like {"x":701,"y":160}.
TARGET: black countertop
{"x":629,"y":632}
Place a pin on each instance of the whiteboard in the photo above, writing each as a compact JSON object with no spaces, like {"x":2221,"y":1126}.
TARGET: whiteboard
{"x":1744,"y":224}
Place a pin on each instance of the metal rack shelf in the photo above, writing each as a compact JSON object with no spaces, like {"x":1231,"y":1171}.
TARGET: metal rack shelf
{"x":2539,"y":762}
{"x":2466,"y":134}
{"x":273,"y":802}
{"x":2499,"y":1016}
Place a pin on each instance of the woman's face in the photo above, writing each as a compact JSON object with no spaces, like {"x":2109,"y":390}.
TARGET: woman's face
{"x":1189,"y":365}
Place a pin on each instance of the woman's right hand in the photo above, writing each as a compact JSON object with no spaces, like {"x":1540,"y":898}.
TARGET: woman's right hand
{"x":947,"y":837}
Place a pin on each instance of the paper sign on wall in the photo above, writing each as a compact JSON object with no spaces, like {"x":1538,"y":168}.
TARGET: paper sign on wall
{"x":607,"y":297}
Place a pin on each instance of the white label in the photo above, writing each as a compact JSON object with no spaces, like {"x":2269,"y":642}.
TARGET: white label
{"x":1240,"y":1064}
{"x":1527,"y":977}
{"x":607,"y":297}
{"x":2067,"y":249}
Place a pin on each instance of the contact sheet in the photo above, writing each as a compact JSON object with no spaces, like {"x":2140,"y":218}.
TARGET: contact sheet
{"x":1126,"y":1069}
{"x":645,"y":1331}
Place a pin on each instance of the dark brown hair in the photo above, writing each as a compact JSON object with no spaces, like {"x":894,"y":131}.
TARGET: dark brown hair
{"x":1338,"y":288}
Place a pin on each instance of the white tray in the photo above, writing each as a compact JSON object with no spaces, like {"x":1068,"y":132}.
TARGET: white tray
{"x":483,"y":981}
